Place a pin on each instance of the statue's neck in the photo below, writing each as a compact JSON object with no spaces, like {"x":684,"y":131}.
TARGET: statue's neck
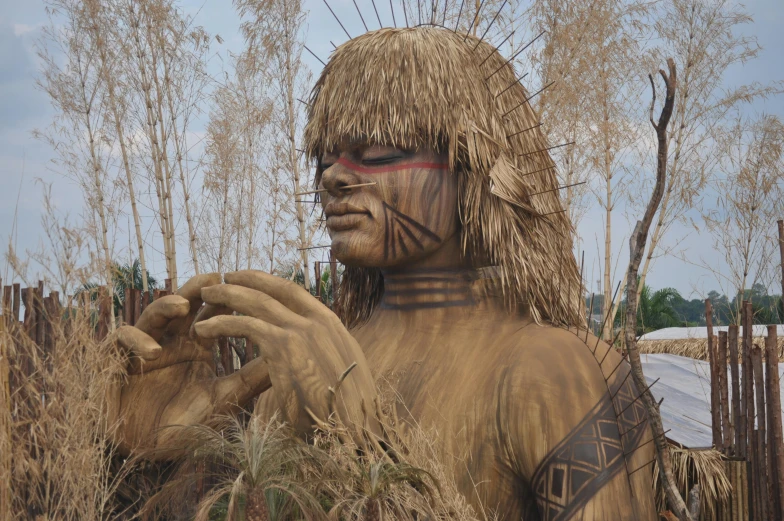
{"x":429,"y":288}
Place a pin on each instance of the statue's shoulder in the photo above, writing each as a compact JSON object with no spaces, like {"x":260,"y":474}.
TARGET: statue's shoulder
{"x":549,"y":357}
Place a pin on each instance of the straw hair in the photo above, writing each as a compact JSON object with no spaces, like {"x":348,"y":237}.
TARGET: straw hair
{"x":427,"y":87}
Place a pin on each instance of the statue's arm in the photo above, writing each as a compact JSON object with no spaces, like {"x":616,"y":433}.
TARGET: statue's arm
{"x":576,"y":439}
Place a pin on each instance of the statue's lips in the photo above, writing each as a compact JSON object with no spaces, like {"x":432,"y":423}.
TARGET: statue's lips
{"x":343,"y":216}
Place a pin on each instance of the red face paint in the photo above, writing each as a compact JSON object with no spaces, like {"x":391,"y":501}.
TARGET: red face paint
{"x":389,"y":168}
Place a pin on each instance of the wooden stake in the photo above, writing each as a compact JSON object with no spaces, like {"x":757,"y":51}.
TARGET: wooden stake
{"x":714,"y":389}
{"x":728,"y":431}
{"x":761,"y":456}
{"x":738,"y":420}
{"x":781,"y":254}
{"x":747,"y":376}
{"x":775,"y":437}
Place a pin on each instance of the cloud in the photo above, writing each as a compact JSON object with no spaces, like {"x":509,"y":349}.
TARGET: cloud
{"x":20,"y":100}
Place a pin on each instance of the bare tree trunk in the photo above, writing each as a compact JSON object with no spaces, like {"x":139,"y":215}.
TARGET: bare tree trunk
{"x":636,"y":249}
{"x":109,"y":79}
{"x":292,"y":154}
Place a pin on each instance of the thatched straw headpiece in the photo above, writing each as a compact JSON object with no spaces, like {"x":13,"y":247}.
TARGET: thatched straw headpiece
{"x":430,"y":86}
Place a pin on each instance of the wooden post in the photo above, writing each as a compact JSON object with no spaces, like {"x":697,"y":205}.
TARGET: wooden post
{"x":5,"y":413}
{"x":38,"y":302}
{"x":333,"y":277}
{"x":761,"y":456}
{"x":714,"y":389}
{"x":7,"y":305}
{"x":747,"y":391}
{"x":127,"y":309}
{"x":137,"y":305}
{"x":17,"y":305}
{"x":317,"y":279}
{"x":227,"y":360}
{"x":728,"y":430}
{"x":167,"y":283}
{"x":775,"y":437}
{"x":738,"y":419}
{"x":781,"y":263}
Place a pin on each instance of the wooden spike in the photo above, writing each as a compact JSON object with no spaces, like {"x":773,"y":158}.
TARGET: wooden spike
{"x":459,"y":14}
{"x":515,"y":55}
{"x":550,"y":213}
{"x":529,"y":98}
{"x":580,"y":290}
{"x":392,"y":9}
{"x":644,"y":444}
{"x":512,"y":84}
{"x":618,"y":390}
{"x":612,"y":343}
{"x":380,"y":25}
{"x":640,"y":468}
{"x":314,"y":55}
{"x":497,"y":47}
{"x":599,"y":337}
{"x":588,"y":322}
{"x":548,"y":148}
{"x":558,"y":188}
{"x":638,"y":397}
{"x":537,"y":171}
{"x":476,"y":18}
{"x":315,"y":247}
{"x":446,"y":6}
{"x":419,"y":12}
{"x":338,"y":19}
{"x":334,"y":47}
{"x":526,"y":130}
{"x":623,"y":359}
{"x":304,"y":103}
{"x":322,"y":190}
{"x":405,"y":15}
{"x":630,"y":429}
{"x":360,"y":15}
{"x":490,"y":25}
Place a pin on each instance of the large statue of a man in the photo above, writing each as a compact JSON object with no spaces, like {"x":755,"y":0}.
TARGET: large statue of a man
{"x":460,"y":289}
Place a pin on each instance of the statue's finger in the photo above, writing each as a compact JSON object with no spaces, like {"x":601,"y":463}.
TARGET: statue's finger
{"x":268,"y":337}
{"x":191,"y":291}
{"x":253,"y":303}
{"x":288,"y":293}
{"x":206,"y":312}
{"x":137,"y":342}
{"x":157,"y":317}
{"x":238,"y":388}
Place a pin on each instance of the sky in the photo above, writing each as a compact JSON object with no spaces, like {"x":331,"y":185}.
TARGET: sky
{"x":25,"y":162}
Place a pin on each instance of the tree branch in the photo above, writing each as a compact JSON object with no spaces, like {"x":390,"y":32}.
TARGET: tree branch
{"x":637,"y":244}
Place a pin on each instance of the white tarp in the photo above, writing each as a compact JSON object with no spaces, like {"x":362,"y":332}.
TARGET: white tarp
{"x":686,"y":333}
{"x":684,"y":383}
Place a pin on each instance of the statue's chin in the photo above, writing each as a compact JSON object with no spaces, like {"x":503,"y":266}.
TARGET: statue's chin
{"x":355,"y":253}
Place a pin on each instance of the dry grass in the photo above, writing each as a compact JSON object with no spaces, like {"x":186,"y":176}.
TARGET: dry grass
{"x":462,"y":97}
{"x":690,"y":467}
{"x":60,"y":458}
{"x":691,"y":348}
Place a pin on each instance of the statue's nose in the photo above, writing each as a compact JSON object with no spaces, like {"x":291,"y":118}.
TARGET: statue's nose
{"x":336,"y":177}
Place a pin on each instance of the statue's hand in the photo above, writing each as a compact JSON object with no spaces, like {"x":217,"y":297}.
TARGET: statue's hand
{"x":172,"y":379}
{"x":304,"y":344}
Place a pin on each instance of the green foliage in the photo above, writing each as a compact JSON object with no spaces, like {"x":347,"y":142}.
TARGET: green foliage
{"x":124,"y":276}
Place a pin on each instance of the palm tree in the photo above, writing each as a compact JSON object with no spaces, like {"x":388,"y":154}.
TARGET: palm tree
{"x":124,"y":276}
{"x":656,"y":309}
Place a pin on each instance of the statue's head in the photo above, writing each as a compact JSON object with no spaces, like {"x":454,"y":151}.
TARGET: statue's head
{"x":437,"y":122}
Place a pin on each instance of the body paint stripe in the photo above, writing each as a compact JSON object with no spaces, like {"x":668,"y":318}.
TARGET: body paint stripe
{"x":390,"y":168}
